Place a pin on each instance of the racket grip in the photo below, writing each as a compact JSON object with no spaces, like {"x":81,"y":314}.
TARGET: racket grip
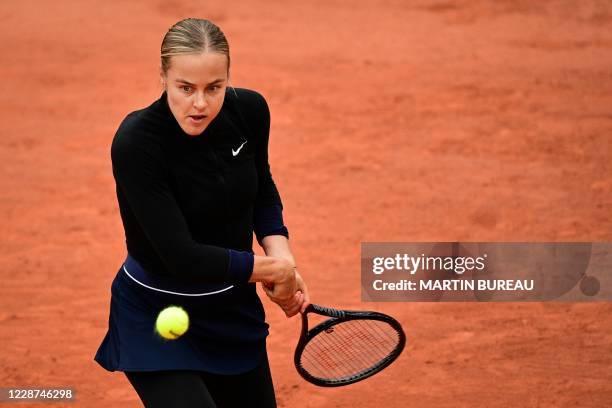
{"x":326,"y":311}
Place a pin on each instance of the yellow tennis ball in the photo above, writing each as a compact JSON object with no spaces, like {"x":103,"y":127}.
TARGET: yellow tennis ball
{"x":172,"y":322}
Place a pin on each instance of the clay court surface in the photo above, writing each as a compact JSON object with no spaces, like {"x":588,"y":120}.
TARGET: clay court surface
{"x":391,"y":121}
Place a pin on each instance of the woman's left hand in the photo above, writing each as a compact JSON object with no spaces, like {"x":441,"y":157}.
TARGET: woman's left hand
{"x":301,"y":287}
{"x":300,"y":300}
{"x":278,"y":245}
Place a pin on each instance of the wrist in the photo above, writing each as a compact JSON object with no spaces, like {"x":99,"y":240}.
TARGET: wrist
{"x":285,"y":270}
{"x":271,"y":269}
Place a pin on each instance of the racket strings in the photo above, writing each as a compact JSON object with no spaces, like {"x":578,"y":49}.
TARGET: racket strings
{"x":322,"y":356}
{"x":349,"y":348}
{"x":348,"y":353}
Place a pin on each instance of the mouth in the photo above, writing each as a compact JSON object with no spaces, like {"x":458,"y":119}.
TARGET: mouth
{"x":197,"y":118}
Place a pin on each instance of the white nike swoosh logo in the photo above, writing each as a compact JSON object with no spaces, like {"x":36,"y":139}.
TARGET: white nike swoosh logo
{"x":235,"y":152}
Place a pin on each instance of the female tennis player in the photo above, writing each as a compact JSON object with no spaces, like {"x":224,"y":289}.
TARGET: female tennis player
{"x":193,"y":183}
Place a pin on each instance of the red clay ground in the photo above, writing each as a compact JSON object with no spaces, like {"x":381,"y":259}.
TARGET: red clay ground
{"x":392,"y":121}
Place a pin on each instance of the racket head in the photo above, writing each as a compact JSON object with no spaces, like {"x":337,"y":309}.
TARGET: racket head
{"x":338,"y":351}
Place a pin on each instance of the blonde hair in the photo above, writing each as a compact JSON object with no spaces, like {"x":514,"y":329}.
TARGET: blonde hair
{"x":192,"y":36}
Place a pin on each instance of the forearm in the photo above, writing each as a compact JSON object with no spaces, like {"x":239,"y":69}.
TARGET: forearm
{"x":271,"y":269}
{"x":278,"y":246}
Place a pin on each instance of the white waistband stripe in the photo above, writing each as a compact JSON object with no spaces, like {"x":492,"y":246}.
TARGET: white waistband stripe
{"x":175,"y":293}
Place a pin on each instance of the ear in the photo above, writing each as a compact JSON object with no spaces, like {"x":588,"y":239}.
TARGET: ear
{"x":162,"y":78}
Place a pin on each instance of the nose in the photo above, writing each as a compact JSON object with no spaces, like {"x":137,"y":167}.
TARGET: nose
{"x":200,"y":102}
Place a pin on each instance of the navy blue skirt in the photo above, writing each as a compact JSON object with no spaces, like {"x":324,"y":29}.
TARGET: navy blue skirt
{"x":227,"y":331}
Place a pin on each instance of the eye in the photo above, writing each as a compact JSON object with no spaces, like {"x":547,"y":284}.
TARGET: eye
{"x":214,"y":88}
{"x":186,"y":88}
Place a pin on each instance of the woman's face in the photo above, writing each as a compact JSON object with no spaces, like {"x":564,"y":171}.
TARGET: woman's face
{"x":196,"y":84}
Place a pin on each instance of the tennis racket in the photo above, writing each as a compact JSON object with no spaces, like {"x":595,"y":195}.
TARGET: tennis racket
{"x":348,"y":347}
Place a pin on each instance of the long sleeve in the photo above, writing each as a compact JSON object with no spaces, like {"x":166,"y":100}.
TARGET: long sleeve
{"x":267,"y":215}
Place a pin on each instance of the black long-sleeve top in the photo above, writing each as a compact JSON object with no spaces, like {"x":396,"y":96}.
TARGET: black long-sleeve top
{"x":190,"y":204}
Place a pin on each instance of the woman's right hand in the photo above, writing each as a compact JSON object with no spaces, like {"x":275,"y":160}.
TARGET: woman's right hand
{"x":278,"y":277}
{"x":284,"y":289}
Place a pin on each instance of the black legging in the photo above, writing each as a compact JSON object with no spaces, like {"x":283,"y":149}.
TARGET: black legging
{"x":189,"y":389}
